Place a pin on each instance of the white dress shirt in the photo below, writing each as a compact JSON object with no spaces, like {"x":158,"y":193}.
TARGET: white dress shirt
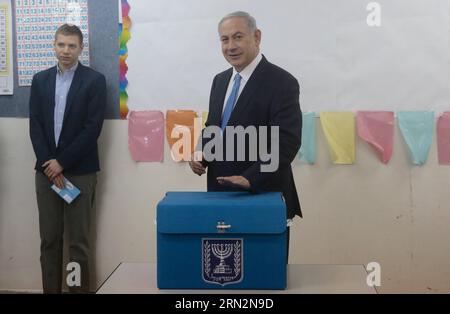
{"x":63,"y":83}
{"x":245,"y":76}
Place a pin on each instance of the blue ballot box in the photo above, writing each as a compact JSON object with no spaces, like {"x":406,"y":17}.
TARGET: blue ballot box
{"x":221,"y":240}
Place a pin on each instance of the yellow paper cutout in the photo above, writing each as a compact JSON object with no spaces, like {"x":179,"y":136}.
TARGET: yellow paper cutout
{"x":339,"y":130}
{"x":204,"y":118}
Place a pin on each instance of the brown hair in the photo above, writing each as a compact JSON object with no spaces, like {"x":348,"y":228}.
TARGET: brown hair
{"x":70,"y":30}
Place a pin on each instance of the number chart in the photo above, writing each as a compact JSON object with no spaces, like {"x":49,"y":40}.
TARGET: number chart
{"x":36,"y":24}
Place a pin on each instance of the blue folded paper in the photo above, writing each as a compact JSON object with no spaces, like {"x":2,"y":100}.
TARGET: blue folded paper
{"x":69,"y":193}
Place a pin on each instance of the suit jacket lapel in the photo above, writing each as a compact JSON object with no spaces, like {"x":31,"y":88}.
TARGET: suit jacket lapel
{"x":51,"y":86}
{"x":76,"y":82}
{"x":222,"y":86}
{"x":252,"y":85}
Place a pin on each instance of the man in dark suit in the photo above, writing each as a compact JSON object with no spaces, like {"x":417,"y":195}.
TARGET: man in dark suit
{"x":67,"y":106}
{"x":253,"y":92}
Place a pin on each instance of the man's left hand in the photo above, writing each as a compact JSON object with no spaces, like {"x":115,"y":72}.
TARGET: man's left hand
{"x":52,"y":169}
{"x":235,"y":181}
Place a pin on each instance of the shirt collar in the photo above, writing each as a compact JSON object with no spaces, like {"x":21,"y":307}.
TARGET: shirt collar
{"x":249,"y":69}
{"x":72,"y":69}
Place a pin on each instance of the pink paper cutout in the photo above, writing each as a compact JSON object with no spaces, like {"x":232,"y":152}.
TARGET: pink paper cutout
{"x":443,"y":138}
{"x":377,"y":128}
{"x":146,"y":135}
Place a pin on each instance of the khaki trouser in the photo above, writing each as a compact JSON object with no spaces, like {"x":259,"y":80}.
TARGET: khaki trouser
{"x":53,"y":211}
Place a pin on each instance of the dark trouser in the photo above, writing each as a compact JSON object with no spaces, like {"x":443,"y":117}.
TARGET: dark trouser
{"x":53,"y":211}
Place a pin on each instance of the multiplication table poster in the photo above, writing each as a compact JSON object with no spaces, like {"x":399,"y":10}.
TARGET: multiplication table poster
{"x":36,"y":24}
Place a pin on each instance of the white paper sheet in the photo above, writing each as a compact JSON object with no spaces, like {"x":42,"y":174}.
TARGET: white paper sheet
{"x":401,"y":65}
{"x":175,"y":51}
{"x":340,"y":61}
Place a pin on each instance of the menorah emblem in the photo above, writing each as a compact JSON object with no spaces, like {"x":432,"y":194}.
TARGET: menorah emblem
{"x":222,"y":251}
{"x":222,"y":260}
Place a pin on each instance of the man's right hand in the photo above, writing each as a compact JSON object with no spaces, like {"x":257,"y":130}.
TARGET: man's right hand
{"x":59,"y":181}
{"x":196,"y":164}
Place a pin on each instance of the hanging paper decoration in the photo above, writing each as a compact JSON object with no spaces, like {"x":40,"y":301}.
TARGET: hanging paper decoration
{"x":204,"y":118}
{"x":443,"y":136}
{"x":339,"y":129}
{"x":307,"y":153}
{"x":146,"y":135}
{"x":417,"y":130}
{"x":124,"y":37}
{"x":377,"y":128}
{"x":180,"y":133}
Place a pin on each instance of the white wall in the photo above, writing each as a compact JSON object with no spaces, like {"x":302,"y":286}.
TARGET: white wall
{"x":340,"y":62}
{"x":397,"y":214}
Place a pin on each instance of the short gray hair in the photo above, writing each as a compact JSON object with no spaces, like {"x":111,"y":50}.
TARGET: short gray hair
{"x":250,"y":19}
